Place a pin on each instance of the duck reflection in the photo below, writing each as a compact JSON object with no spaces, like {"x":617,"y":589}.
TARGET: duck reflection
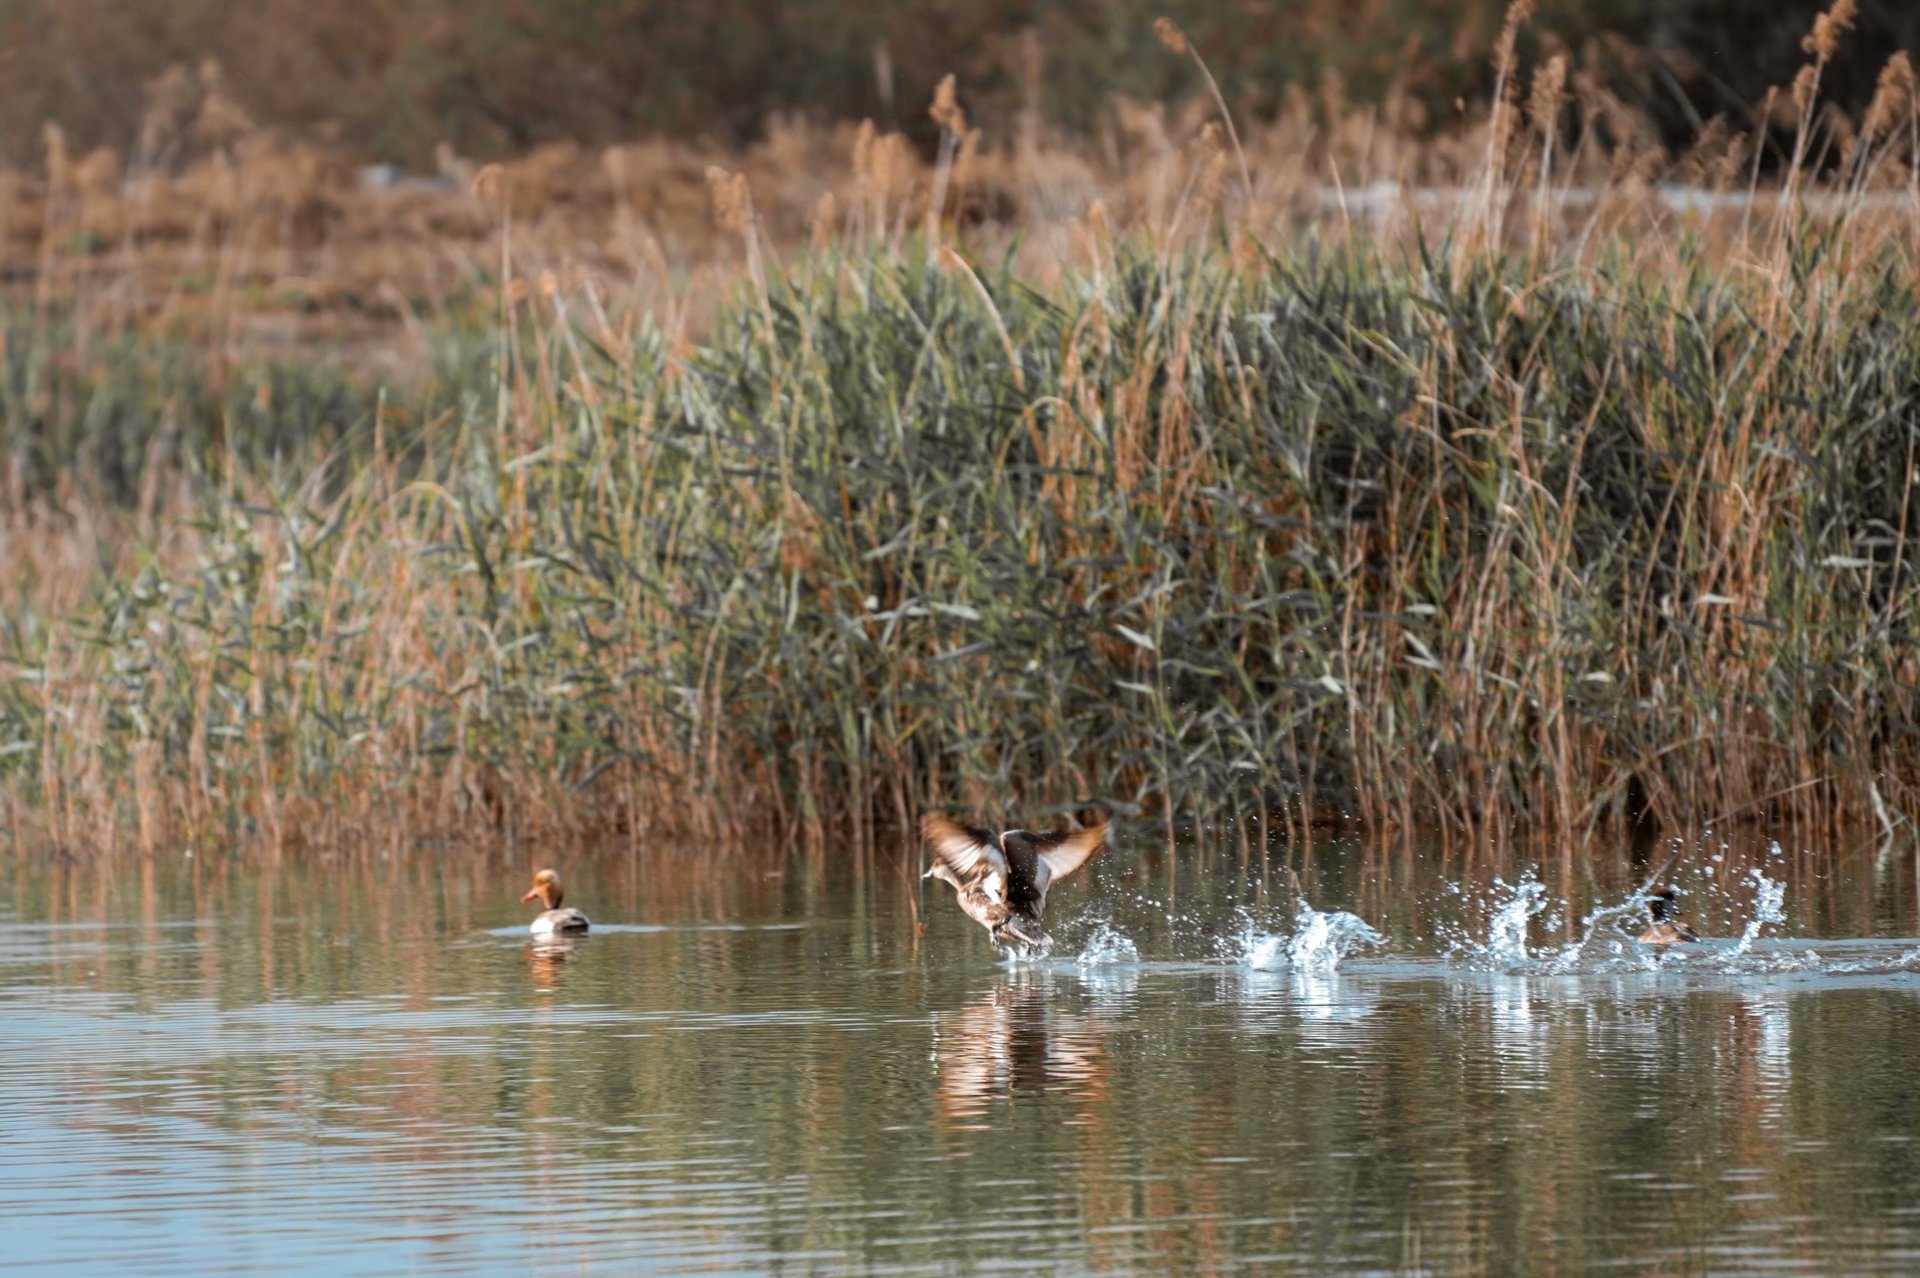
{"x":1013,"y":1039}
{"x":547,"y":960}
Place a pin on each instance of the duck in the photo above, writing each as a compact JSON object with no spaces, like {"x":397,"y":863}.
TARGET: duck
{"x":1664,"y":930}
{"x":553,"y":921}
{"x":1001,"y":880}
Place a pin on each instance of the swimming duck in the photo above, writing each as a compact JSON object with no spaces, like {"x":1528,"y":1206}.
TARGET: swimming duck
{"x":553,"y":920}
{"x":1664,"y":930}
{"x":1002,"y":879}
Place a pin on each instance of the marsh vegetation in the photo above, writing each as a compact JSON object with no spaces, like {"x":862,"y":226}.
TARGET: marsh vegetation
{"x":1513,"y":494}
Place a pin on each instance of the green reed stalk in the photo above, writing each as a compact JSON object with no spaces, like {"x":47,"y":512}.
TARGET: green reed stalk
{"x":1453,"y":541}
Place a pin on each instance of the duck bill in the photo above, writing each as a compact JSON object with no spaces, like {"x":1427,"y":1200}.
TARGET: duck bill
{"x":1010,"y":931}
{"x":529,"y":896}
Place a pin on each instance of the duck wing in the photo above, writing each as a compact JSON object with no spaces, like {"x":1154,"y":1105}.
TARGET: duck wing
{"x":965,"y":854}
{"x":1059,"y":855}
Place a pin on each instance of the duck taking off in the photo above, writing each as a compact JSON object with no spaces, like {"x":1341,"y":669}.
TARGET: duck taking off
{"x":1002,"y":879}
{"x":553,"y":921}
{"x":1663,"y":928}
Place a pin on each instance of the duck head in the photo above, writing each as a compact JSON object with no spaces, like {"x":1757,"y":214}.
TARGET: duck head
{"x":1660,"y":905}
{"x":988,"y":912}
{"x":546,"y":886}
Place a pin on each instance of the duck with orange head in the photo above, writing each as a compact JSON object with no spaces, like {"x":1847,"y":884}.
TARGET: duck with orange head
{"x":555,"y":920}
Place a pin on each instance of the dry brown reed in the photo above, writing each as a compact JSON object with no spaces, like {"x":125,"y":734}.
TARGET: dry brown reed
{"x":277,"y":241}
{"x":712,"y":545}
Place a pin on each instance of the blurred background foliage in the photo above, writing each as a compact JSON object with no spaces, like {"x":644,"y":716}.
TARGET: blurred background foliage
{"x":391,"y":79}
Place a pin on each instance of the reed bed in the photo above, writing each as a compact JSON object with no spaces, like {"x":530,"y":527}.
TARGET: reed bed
{"x":1539,"y":514}
{"x":1319,"y":535}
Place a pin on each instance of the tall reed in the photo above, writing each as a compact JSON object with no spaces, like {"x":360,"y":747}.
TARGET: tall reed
{"x":1400,"y":519}
{"x":1323,"y":535}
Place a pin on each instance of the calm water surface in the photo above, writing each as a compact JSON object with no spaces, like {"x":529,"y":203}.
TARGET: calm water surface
{"x":215,"y":1067}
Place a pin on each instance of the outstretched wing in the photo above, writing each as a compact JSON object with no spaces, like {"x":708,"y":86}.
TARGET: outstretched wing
{"x":965,"y":854}
{"x":1061,"y":854}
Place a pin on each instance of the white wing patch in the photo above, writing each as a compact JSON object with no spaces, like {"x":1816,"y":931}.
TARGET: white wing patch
{"x":1061,"y":854}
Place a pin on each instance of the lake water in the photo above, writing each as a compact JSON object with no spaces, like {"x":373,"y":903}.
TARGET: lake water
{"x":751,"y":1067}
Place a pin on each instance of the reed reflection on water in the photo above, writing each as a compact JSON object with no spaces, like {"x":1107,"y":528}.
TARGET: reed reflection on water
{"x":372,"y":1068}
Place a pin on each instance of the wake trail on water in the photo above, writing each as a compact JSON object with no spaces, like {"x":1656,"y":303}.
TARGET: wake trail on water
{"x":1496,"y":933}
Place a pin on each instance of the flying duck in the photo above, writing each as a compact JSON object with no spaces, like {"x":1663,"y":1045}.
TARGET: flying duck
{"x":1002,"y":879}
{"x":1663,"y":930}
{"x":553,"y":921}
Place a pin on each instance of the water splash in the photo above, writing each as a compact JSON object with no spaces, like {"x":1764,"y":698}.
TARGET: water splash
{"x":1507,"y":931}
{"x":1263,"y":951}
{"x":1615,"y":925}
{"x":1108,"y":947}
{"x":1321,"y":939}
{"x":1515,"y":906}
{"x":1769,"y":900}
{"x":1607,"y":932}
